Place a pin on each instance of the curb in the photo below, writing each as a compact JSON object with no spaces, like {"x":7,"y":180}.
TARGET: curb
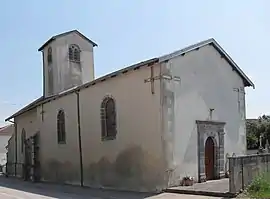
{"x":202,"y":193}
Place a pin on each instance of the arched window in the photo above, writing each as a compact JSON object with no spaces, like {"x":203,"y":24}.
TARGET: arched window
{"x":70,"y":54}
{"x":108,"y":119}
{"x":49,"y":55}
{"x":50,"y":79}
{"x":22,"y":140}
{"x":74,"y":53}
{"x":61,"y":129}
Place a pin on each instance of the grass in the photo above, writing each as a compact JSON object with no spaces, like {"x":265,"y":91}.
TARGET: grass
{"x":260,"y":187}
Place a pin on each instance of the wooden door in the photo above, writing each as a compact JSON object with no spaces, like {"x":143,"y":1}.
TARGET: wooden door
{"x":209,"y":158}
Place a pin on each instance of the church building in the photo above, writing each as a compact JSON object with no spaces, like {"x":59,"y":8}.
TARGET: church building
{"x":142,"y":128}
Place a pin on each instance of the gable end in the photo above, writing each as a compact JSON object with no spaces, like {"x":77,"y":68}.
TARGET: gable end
{"x":66,"y":33}
{"x":182,"y":52}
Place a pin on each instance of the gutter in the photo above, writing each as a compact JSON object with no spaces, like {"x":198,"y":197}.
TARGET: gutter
{"x":16,"y":152}
{"x":79,"y":136}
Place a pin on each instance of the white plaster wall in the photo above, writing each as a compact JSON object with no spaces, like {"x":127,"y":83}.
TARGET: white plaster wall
{"x":10,"y":143}
{"x":60,"y":162}
{"x":207,"y":81}
{"x":134,"y":160}
{"x":62,"y":68}
{"x":54,"y":157}
{"x":3,"y":143}
{"x":11,"y":150}
{"x":29,"y":121}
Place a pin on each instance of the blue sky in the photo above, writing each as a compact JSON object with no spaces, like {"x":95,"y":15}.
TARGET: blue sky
{"x":128,"y":32}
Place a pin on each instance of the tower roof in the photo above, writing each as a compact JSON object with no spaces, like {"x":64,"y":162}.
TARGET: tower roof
{"x":64,"y":34}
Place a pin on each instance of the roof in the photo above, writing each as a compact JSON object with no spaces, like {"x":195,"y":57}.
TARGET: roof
{"x":247,"y":81}
{"x":29,"y":106}
{"x":42,"y":100}
{"x":148,"y":62}
{"x":6,"y":130}
{"x":26,"y":108}
{"x":63,"y":34}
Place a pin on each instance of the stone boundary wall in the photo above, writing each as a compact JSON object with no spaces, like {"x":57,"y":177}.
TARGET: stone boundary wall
{"x":243,"y":169}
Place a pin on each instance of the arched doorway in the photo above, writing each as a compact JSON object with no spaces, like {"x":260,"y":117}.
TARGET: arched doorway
{"x":209,"y":158}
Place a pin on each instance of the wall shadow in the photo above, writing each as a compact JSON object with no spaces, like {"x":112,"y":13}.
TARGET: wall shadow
{"x":67,"y":191}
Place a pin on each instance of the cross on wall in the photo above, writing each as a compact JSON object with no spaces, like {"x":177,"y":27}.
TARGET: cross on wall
{"x":153,"y":78}
{"x":239,"y":90}
{"x":42,"y":113}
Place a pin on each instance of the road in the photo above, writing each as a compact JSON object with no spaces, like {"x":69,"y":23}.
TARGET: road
{"x":17,"y":189}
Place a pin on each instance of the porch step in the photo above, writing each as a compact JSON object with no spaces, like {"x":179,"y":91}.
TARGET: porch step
{"x":202,"y":193}
{"x":217,"y":188}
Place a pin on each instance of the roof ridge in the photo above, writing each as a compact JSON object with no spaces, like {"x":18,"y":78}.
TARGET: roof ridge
{"x":66,"y":33}
{"x":189,"y":48}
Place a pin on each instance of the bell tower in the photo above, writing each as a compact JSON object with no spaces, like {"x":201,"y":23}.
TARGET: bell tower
{"x":68,"y":62}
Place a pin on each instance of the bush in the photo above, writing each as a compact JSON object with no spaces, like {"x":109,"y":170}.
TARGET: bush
{"x":260,"y":187}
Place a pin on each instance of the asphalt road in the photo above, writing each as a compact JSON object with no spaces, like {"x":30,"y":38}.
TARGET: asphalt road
{"x":11,"y":188}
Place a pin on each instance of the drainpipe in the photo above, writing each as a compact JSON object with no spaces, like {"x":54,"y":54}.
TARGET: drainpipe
{"x":16,"y":155}
{"x":79,"y":136}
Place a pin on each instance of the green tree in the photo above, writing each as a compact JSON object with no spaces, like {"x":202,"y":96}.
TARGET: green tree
{"x":256,"y":128}
{"x":253,"y":134}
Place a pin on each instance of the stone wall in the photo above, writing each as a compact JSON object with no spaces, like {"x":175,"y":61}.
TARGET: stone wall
{"x":243,"y":169}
